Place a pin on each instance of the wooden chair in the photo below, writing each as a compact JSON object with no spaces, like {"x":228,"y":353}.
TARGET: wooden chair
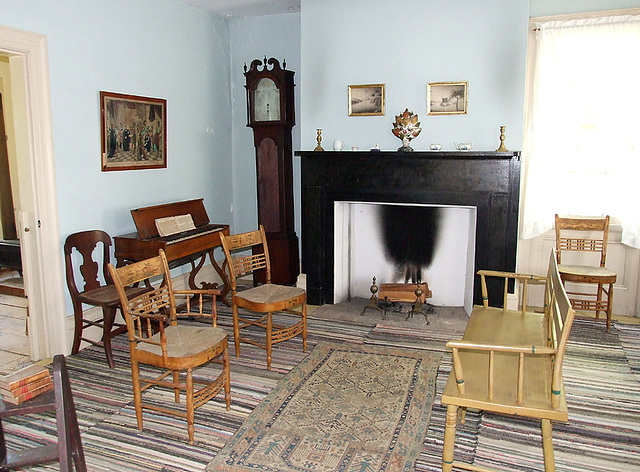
{"x":510,"y":362}
{"x":68,"y":451}
{"x":173,"y":347}
{"x":265,"y":298}
{"x":93,"y":291}
{"x":586,"y":235}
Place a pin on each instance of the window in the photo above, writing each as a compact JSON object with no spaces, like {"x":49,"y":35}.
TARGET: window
{"x":582,"y":126}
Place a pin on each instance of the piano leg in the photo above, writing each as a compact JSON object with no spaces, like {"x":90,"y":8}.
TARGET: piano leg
{"x":195,"y":268}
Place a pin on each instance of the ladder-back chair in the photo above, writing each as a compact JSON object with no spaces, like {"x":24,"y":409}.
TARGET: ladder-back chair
{"x":589,"y":235}
{"x":176,"y":348}
{"x":266,"y":298}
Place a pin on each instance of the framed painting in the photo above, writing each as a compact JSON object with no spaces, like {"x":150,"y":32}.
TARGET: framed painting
{"x":366,"y":100}
{"x":447,"y":98}
{"x":134,"y":132}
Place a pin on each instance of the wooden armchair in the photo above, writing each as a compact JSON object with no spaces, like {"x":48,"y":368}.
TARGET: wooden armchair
{"x":510,"y":362}
{"x":173,"y":347}
{"x":265,"y":298}
{"x":586,"y":235}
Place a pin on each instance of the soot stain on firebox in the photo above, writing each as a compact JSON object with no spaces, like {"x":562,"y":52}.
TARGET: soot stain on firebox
{"x":410,"y":236}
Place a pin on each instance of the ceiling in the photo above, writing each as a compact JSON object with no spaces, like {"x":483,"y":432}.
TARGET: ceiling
{"x":246,"y":8}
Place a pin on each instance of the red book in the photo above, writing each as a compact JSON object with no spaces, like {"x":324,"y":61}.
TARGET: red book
{"x":28,"y":395}
{"x":23,"y":376}
{"x":26,"y":388}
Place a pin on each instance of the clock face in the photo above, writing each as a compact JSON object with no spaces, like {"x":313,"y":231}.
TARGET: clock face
{"x":266,"y":101}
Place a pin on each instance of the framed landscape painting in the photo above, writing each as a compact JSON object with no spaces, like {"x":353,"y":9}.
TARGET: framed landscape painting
{"x":447,"y":98}
{"x":134,"y":132}
{"x":366,"y":100}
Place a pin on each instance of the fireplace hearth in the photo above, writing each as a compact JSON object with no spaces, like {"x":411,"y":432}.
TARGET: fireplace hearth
{"x":488,"y":181}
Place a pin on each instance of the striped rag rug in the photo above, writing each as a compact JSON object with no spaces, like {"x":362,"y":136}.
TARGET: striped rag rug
{"x":601,"y":372}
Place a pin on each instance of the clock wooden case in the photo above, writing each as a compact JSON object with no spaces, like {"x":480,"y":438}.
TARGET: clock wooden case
{"x":271,"y":115}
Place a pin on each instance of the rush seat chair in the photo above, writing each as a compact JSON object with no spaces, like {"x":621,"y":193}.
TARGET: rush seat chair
{"x":176,"y":349}
{"x":264,"y":299}
{"x":586,"y":235}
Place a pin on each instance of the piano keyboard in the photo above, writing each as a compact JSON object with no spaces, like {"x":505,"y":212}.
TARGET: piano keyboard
{"x":189,"y":234}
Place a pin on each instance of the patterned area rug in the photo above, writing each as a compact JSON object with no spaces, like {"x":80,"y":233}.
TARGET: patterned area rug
{"x":344,"y":408}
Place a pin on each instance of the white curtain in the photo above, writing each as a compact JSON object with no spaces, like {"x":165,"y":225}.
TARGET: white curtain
{"x":582,"y":136}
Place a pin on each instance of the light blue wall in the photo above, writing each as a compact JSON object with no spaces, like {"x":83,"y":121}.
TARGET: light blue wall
{"x":555,"y":7}
{"x":254,"y":38}
{"x":405,"y":46}
{"x":154,"y":48}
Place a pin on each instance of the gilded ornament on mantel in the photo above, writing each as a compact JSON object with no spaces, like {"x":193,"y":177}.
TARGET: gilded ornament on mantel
{"x":406,"y":128}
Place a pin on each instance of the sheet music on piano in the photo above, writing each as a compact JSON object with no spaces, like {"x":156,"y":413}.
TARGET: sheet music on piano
{"x":174,"y":224}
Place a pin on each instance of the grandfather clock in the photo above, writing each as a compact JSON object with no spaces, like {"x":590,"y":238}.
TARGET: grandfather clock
{"x":270,"y":112}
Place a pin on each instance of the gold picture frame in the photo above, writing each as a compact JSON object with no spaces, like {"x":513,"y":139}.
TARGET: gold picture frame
{"x":366,"y":100}
{"x":133,"y":132}
{"x":447,"y":98}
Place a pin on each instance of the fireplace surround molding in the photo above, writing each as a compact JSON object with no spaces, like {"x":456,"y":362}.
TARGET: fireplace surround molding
{"x":486,"y":180}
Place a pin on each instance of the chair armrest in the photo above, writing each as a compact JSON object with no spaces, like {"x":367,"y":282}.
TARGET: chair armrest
{"x":207,"y":291}
{"x":524,"y":279}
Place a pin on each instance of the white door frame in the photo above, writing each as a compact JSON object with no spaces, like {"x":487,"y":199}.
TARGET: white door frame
{"x":38,"y":224}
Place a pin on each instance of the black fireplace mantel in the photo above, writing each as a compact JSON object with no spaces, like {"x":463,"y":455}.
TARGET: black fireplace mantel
{"x":487,"y":180}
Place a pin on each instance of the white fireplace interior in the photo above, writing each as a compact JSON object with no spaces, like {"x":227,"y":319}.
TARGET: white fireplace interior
{"x":405,"y":243}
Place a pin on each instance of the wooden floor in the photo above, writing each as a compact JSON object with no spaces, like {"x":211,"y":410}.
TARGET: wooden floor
{"x":14,"y":341}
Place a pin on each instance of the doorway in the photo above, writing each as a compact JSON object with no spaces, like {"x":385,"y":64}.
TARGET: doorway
{"x":14,"y":341}
{"x":36,"y":200}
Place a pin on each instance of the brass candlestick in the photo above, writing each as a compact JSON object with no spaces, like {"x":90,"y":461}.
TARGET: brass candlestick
{"x":502,"y":148}
{"x":319,"y":139}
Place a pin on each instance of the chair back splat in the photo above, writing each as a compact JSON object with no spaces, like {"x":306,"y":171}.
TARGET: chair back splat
{"x":157,"y":339}
{"x":262,"y":299}
{"x":590,"y":237}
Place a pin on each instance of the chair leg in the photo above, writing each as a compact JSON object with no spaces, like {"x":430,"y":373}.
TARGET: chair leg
{"x":77,"y":333}
{"x":598,"y":300}
{"x":227,"y":377}
{"x":176,"y":385}
{"x":609,"y":306}
{"x":304,"y":327}
{"x":137,"y":391}
{"x":190,"y":413}
{"x":236,"y":329}
{"x":109,"y":314}
{"x":269,"y":333}
{"x":547,"y":446}
{"x":449,"y":438}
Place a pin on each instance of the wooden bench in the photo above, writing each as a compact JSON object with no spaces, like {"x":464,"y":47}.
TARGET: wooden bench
{"x":510,"y":362}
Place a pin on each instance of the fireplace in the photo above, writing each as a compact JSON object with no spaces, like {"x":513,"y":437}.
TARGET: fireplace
{"x":407,"y":244}
{"x":487,"y":181}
